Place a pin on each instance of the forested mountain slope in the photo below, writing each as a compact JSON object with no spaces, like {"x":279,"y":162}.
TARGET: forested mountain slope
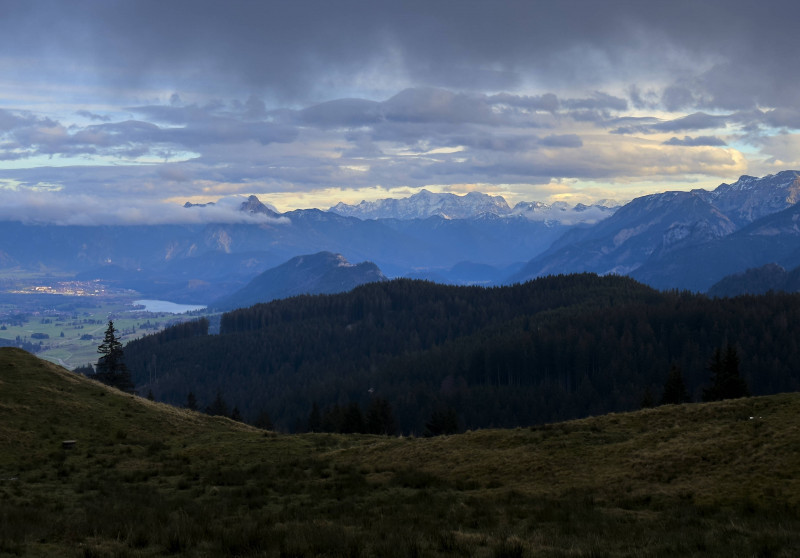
{"x":758,"y":280}
{"x":554,"y":348}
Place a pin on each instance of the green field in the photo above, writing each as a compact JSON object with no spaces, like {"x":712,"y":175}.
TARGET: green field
{"x":86,"y":317}
{"x":146,"y":479}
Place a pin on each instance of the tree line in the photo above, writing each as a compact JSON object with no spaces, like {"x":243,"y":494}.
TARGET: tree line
{"x":551,"y":349}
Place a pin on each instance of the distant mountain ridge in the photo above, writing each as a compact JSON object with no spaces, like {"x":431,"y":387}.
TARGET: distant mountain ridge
{"x":651,"y":238}
{"x":755,"y":281}
{"x":750,"y":198}
{"x":426,"y":204}
{"x":201,"y":262}
{"x":321,"y":273}
{"x":679,"y":239}
{"x":774,"y":238}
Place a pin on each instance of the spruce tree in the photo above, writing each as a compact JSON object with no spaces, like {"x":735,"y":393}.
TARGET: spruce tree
{"x":219,"y":407}
{"x":315,"y":419}
{"x":675,"y":391}
{"x":191,"y":401}
{"x":111,"y":369}
{"x":444,"y":420}
{"x":352,"y":420}
{"x":726,"y":382}
{"x":715,"y":368}
{"x":380,"y":418}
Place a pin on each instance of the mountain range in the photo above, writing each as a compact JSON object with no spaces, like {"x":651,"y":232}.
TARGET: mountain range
{"x":677,"y":239}
{"x":200,"y":263}
{"x":426,"y":204}
{"x":685,"y":240}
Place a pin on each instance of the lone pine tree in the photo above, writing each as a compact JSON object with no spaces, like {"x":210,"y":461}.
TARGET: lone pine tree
{"x":111,"y":369}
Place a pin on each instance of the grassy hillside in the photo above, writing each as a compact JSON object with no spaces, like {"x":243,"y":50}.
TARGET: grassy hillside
{"x":145,"y":479}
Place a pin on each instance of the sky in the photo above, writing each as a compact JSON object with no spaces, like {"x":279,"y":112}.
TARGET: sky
{"x":121,"y":111}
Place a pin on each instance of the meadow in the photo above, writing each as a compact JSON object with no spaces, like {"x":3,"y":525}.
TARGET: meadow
{"x":146,"y":479}
{"x":70,"y":328}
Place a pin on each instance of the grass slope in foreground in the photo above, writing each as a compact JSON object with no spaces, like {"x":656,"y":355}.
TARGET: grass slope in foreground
{"x":145,"y":479}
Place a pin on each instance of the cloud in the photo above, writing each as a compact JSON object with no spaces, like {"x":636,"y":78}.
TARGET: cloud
{"x":649,"y":125}
{"x":547,"y":102}
{"x":783,"y":118}
{"x":412,"y":139}
{"x":598,"y":101}
{"x":27,"y":205}
{"x":564,"y":140}
{"x":346,"y":113}
{"x":296,"y":53}
{"x":436,"y":105}
{"x":695,"y":121}
{"x":696,"y":142}
{"x":677,"y":97}
{"x":92,"y":116}
{"x":136,"y":102}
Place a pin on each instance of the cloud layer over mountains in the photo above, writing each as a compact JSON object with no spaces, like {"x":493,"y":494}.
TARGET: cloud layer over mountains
{"x":130,"y":104}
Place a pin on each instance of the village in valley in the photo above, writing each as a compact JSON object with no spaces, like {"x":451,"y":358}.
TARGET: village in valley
{"x":63,"y":320}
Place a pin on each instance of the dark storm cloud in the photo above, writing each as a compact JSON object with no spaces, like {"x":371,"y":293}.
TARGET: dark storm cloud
{"x":699,"y":141}
{"x":733,"y":54}
{"x":421,"y":106}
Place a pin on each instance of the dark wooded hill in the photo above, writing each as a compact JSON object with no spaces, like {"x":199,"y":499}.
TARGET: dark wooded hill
{"x":550,"y":349}
{"x":758,"y":280}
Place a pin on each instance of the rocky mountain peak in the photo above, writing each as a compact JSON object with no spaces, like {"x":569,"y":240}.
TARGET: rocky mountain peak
{"x":253,"y":206}
{"x":751,"y":198}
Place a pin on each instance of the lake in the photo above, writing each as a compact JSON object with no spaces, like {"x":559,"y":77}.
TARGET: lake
{"x":166,"y":306}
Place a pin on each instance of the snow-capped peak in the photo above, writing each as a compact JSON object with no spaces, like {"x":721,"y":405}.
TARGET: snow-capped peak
{"x":426,"y":204}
